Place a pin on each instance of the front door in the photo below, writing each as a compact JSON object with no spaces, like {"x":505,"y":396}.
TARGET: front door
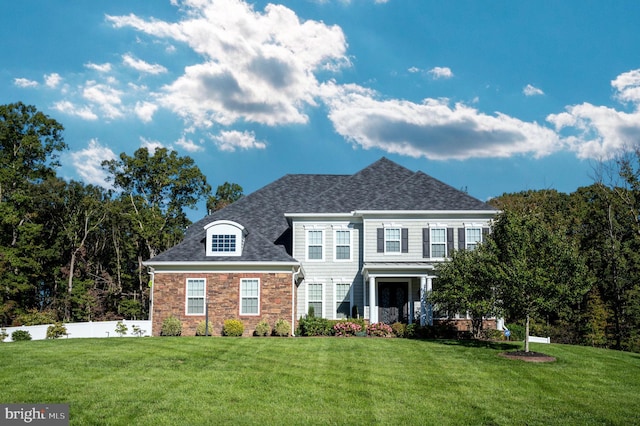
{"x":393,"y":302}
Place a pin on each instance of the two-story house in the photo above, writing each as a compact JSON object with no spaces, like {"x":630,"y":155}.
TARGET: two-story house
{"x":347,"y":245}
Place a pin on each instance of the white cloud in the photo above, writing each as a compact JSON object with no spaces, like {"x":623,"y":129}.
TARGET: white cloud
{"x":52,"y":80}
{"x":530,"y":90}
{"x":414,"y":70}
{"x":106,"y":97}
{"x":88,"y":163}
{"x":83,"y":112}
{"x":106,"y":67}
{"x":257,"y":66}
{"x":189,"y":145}
{"x":432,"y":129}
{"x":232,"y":140}
{"x":440,"y":72}
{"x":24,"y":82}
{"x":150,"y":144}
{"x":602,"y":132}
{"x":142,"y":66}
{"x":145,"y":110}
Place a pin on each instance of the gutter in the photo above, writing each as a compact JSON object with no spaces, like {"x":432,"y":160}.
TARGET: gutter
{"x":294,"y":277}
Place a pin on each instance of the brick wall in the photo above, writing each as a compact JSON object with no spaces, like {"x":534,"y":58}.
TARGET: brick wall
{"x":223,"y":292}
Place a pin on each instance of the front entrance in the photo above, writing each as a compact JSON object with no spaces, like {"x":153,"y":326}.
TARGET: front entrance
{"x":393,"y":302}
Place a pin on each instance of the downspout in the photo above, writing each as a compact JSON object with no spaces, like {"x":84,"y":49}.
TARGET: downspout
{"x":294,"y":277}
{"x":152,"y":274}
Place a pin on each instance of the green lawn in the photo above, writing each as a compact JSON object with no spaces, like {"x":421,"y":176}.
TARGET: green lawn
{"x":193,"y":381}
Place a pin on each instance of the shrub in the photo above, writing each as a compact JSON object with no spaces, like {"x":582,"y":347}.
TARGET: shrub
{"x":262,"y":329}
{"x":137,"y":331}
{"x":399,"y":329}
{"x":20,"y":335}
{"x":380,"y":329}
{"x":56,"y":330}
{"x":282,"y":328}
{"x":493,"y":334}
{"x":202,"y":329}
{"x":232,"y":327}
{"x":3,"y":334}
{"x":121,"y":328}
{"x":517,"y":331}
{"x":36,"y":317}
{"x":312,"y":312}
{"x":171,"y":326}
{"x":314,"y":326}
{"x":410,"y":331}
{"x":346,"y":328}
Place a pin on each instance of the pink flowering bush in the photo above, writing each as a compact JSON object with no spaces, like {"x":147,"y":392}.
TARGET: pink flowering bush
{"x":379,"y":329}
{"x":346,"y":329}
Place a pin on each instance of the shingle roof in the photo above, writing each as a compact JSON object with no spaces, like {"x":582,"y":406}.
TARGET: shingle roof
{"x":384,"y":185}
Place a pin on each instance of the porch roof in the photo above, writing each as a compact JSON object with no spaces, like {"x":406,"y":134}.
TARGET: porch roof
{"x":398,"y":269}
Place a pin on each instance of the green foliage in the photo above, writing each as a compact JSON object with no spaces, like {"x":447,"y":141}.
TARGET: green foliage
{"x":56,"y":331}
{"x":137,"y":331}
{"x":20,"y":335}
{"x":517,"y":331}
{"x":203,"y":328}
{"x":311,"y":312}
{"x":36,"y":317}
{"x":121,"y":329}
{"x":131,"y":309}
{"x":171,"y":326}
{"x":3,"y":334}
{"x":596,"y":319}
{"x":399,"y":329}
{"x":346,"y":329}
{"x":262,"y":329}
{"x":314,"y":326}
{"x":226,"y":194}
{"x":233,"y":328}
{"x":380,"y":329}
{"x":282,"y":328}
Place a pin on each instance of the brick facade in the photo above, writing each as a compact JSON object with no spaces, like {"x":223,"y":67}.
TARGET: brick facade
{"x":223,"y":293}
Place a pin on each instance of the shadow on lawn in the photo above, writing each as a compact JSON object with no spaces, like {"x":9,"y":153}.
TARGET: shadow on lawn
{"x":487,"y":344}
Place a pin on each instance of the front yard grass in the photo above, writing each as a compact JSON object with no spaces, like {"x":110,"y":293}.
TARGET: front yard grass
{"x":198,"y":380}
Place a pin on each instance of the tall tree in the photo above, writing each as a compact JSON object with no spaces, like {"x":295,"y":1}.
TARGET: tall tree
{"x":226,"y":194}
{"x":30,"y":143}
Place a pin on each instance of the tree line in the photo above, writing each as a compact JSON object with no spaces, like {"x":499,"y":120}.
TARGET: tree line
{"x":71,"y":251}
{"x":564,"y":265}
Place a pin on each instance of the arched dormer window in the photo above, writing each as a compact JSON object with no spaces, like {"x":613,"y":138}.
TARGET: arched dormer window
{"x":225,"y":238}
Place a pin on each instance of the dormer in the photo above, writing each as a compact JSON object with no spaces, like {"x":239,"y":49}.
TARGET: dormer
{"x":224,"y":238}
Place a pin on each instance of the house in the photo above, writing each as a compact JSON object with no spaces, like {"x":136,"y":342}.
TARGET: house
{"x":347,"y":245}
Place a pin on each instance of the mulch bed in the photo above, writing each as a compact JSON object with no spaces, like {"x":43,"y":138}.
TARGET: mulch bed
{"x":528,"y":356}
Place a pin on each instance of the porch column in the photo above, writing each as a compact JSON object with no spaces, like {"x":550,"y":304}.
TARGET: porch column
{"x":423,"y":300}
{"x":373,"y":306}
{"x":411,"y":309}
{"x":429,"y":305}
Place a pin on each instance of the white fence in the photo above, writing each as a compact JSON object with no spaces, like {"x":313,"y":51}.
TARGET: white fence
{"x":86,"y":329}
{"x":536,"y":339}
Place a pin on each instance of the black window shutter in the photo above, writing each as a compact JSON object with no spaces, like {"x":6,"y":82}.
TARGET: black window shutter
{"x":461,"y":239}
{"x":485,"y":232}
{"x":380,"y":240}
{"x":405,"y":240}
{"x":449,"y":241}
{"x":425,"y":243}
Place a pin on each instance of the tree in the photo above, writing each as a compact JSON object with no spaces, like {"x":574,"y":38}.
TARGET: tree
{"x":30,"y":143}
{"x":539,"y":269}
{"x":226,"y":194}
{"x":467,"y":283}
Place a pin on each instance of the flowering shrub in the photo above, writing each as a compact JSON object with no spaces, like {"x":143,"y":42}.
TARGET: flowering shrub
{"x":379,"y":329}
{"x":346,"y":329}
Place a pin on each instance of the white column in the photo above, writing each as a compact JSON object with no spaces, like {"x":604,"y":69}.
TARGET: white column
{"x":429,"y":307}
{"x":411,"y":309}
{"x":423,"y":300}
{"x":373,"y":306}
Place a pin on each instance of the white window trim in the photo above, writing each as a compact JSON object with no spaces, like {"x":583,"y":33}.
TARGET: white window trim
{"x":225,"y":227}
{"x":186,"y":297}
{"x":323,"y":245}
{"x":466,"y":235}
{"x":322,"y":301}
{"x":335,"y":244}
{"x":335,"y":297}
{"x":244,"y":314}
{"x":432,"y":243}
{"x":389,"y":227}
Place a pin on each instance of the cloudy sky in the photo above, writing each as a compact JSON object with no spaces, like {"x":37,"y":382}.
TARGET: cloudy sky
{"x":490,"y":96}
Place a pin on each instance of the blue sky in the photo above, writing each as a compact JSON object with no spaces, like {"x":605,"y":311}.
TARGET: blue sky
{"x":491,"y":96}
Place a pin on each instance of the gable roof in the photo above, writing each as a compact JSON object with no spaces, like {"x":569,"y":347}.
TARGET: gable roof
{"x":383,"y":185}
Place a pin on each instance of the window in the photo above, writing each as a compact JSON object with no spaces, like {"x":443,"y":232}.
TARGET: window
{"x":392,"y":240}
{"x":195,"y":296}
{"x":250,"y":296}
{"x":314,"y":297}
{"x":438,"y":242}
{"x":224,"y":238}
{"x":343,"y":300}
{"x":223,"y":243}
{"x":314,"y":245}
{"x":343,"y":244}
{"x":473,"y":237}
